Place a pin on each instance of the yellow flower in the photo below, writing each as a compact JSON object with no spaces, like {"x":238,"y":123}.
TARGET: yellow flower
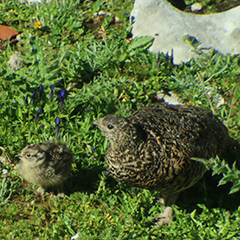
{"x":37,"y":25}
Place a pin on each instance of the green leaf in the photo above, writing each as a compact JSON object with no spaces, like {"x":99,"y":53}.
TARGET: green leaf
{"x":224,"y":180}
{"x":235,"y":188}
{"x":141,"y":42}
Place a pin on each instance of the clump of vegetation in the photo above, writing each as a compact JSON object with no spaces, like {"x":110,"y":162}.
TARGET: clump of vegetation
{"x":79,"y":64}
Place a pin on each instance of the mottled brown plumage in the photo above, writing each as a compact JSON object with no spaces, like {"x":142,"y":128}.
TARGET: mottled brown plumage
{"x":46,"y":165}
{"x":153,"y":147}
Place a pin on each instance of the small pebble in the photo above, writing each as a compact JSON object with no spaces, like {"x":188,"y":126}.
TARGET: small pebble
{"x":101,"y":13}
{"x":196,"y":7}
{"x":170,"y":98}
{"x":75,"y":236}
{"x":117,"y":19}
{"x":3,"y":160}
{"x":15,"y":62}
{"x":4,"y":171}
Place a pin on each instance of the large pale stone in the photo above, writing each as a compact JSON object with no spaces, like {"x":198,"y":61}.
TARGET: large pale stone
{"x":171,"y":27}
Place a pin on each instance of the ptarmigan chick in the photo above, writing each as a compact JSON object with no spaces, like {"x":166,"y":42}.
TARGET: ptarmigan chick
{"x":153,"y":147}
{"x":46,"y":165}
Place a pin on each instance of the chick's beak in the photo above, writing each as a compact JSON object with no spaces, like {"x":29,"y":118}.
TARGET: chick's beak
{"x":97,"y":122}
{"x":94,"y":123}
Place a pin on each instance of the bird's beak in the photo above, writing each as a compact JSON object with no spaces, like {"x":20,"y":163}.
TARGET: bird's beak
{"x":95,"y":123}
{"x":17,"y":156}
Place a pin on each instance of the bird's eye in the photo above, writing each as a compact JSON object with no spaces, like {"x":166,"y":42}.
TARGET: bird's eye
{"x":28,"y":155}
{"x":110,"y":126}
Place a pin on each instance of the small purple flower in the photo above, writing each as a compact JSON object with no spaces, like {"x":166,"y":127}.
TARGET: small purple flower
{"x":57,"y":130}
{"x":106,"y":172}
{"x":37,"y":116}
{"x":41,"y":90}
{"x":57,"y":121}
{"x":52,"y":90}
{"x":26,"y":100}
{"x":62,"y":95}
{"x":33,"y":95}
{"x":93,"y":149}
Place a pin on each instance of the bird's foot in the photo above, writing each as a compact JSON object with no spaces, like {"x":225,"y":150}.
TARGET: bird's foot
{"x":60,"y":192}
{"x":165,"y":218}
{"x":63,"y":195}
{"x":40,"y":191}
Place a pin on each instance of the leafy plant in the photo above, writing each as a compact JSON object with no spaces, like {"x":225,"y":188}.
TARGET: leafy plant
{"x":81,"y":63}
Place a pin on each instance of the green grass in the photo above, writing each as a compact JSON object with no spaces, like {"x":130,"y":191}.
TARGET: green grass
{"x":102,"y":70}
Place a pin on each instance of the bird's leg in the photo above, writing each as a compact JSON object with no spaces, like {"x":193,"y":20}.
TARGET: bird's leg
{"x":166,"y":217}
{"x":40,"y":191}
{"x":61,"y":193}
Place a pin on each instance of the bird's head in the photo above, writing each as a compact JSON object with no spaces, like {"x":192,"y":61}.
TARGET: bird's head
{"x":32,"y":155}
{"x":118,"y":129}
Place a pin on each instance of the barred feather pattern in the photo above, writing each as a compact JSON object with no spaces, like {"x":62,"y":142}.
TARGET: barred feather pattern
{"x":45,"y":164}
{"x":153,"y":147}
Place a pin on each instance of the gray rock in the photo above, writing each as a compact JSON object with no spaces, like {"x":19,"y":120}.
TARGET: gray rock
{"x":175,"y":29}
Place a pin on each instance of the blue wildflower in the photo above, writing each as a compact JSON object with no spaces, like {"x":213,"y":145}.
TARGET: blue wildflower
{"x":26,"y":100}
{"x":41,"y":90}
{"x":52,"y":90}
{"x":93,"y":149}
{"x":57,"y":121}
{"x":33,"y":95}
{"x":37,"y":116}
{"x":62,"y":95}
{"x":57,"y":130}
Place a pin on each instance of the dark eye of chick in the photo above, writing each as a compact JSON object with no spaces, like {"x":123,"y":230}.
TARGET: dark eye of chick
{"x":110,"y":126}
{"x":28,"y":155}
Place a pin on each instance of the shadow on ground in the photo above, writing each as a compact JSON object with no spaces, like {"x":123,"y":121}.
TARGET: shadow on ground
{"x":207,"y":191}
